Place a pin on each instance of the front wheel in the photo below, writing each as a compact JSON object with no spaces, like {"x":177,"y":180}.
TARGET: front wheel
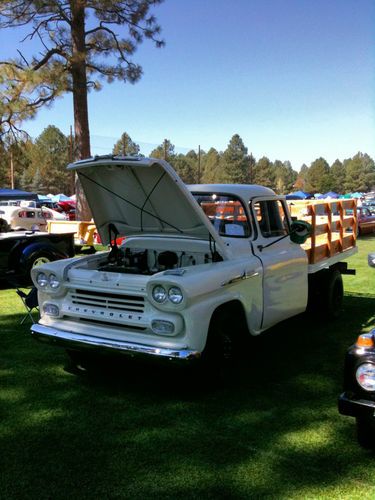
{"x":79,"y":362}
{"x":366,"y":432}
{"x":218,"y":359}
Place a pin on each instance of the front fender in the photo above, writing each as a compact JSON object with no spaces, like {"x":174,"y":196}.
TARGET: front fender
{"x":28,"y":252}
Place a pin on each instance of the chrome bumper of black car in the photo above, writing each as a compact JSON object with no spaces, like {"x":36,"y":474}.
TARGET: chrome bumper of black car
{"x":71,"y":340}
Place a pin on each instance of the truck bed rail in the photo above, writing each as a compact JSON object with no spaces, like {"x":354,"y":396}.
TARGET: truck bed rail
{"x":334,"y":225}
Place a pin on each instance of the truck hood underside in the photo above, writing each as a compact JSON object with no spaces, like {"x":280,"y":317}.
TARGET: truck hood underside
{"x":142,"y":196}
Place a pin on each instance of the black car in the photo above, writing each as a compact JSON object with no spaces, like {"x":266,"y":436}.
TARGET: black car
{"x":20,"y":251}
{"x":358,"y":398}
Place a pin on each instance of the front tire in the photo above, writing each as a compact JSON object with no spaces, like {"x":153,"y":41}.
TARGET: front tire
{"x":219,"y":355}
{"x":79,"y":362}
{"x":366,"y":432}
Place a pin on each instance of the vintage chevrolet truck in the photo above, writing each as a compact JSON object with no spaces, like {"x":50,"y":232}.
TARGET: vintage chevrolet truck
{"x":200,"y":265}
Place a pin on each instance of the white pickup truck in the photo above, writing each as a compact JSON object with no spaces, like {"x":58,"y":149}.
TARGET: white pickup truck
{"x":198,"y":266}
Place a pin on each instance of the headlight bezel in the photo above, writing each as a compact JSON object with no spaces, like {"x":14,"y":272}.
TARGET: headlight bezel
{"x":363,"y":377}
{"x":173,"y":294}
{"x":176,"y":292}
{"x":162,"y":299}
{"x":50,"y":282}
{"x":53,"y":281}
{"x":45,"y":282}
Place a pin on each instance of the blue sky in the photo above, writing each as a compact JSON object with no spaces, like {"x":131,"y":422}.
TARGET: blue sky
{"x":294,"y":78}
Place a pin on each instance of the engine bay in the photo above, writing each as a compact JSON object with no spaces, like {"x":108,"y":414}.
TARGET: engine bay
{"x":151,"y":261}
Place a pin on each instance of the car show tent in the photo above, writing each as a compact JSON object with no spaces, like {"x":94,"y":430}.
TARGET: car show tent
{"x":16,"y":194}
{"x":298,"y":195}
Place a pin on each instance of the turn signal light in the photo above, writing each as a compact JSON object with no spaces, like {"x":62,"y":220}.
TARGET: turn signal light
{"x":365,"y":340}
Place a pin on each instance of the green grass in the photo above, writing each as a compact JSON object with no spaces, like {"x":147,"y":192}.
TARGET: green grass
{"x":364,"y":281}
{"x":146,"y":432}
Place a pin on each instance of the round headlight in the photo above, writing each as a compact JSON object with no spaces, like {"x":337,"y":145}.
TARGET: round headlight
{"x":53,"y":281}
{"x":175,"y":295}
{"x":365,"y":376}
{"x":42,"y":279}
{"x":159,"y":294}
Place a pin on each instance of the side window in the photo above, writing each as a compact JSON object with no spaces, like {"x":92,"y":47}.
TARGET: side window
{"x":271,"y":218}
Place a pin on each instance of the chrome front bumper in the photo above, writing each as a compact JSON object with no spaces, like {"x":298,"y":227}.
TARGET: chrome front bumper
{"x":71,"y":340}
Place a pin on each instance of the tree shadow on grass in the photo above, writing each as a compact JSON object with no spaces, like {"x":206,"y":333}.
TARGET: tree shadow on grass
{"x":142,"y":431}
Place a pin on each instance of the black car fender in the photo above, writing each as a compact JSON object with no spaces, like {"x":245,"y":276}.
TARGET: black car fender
{"x":31,"y":251}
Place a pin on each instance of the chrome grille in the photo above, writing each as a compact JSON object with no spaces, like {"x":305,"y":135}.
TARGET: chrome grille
{"x":126,"y":303}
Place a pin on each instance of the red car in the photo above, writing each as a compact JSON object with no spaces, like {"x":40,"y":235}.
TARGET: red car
{"x":366,"y":221}
{"x":69,"y":208}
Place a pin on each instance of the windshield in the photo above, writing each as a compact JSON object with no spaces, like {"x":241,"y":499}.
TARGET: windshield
{"x":226,"y":213}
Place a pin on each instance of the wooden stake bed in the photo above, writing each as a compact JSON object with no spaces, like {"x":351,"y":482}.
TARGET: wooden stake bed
{"x":334,"y":225}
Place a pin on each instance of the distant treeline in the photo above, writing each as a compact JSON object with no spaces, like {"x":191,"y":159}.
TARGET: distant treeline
{"x":39,"y":166}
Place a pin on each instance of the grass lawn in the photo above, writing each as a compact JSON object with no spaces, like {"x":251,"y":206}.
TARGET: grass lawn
{"x":147,"y":432}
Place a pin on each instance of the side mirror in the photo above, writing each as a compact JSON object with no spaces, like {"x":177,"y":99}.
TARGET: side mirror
{"x":300,"y":231}
{"x":371,"y":259}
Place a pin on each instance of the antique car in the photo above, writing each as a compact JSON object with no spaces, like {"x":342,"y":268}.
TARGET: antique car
{"x":20,"y":251}
{"x":358,"y":398}
{"x":21,"y":218}
{"x":366,"y":220}
{"x":370,"y":204}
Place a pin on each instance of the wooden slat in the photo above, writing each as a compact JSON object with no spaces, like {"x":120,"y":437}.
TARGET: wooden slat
{"x":333,"y":230}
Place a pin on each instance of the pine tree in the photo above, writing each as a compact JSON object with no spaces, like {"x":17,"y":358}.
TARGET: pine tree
{"x":185,"y":168}
{"x":211,"y":163}
{"x":318,"y":178}
{"x":300,"y":182}
{"x":125,"y":146}
{"x":251,"y":165}
{"x":49,"y":156}
{"x":80,"y":47}
{"x":235,"y":162}
{"x":338,"y":174}
{"x":360,"y":173}
{"x":164,"y":151}
{"x":37,"y":184}
{"x":285,"y":176}
{"x":264,"y":173}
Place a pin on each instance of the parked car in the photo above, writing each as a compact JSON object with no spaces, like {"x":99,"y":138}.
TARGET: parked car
{"x":25,"y":218}
{"x":69,"y":208}
{"x":366,"y":220}
{"x":370,"y":204}
{"x":20,"y":251}
{"x":358,"y":398}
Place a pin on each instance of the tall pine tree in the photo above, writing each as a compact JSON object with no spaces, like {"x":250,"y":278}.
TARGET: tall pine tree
{"x":125,"y":146}
{"x":235,"y":162}
{"x":82,"y":43}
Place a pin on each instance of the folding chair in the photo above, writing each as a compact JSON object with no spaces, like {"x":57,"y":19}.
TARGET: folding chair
{"x":30,"y":301}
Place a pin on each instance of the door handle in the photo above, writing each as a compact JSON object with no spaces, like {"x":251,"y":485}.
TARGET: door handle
{"x":244,"y":276}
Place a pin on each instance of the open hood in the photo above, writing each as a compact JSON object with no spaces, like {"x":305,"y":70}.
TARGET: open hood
{"x":142,"y":196}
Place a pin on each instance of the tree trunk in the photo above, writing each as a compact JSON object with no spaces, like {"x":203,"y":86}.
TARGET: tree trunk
{"x":80,"y":106}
